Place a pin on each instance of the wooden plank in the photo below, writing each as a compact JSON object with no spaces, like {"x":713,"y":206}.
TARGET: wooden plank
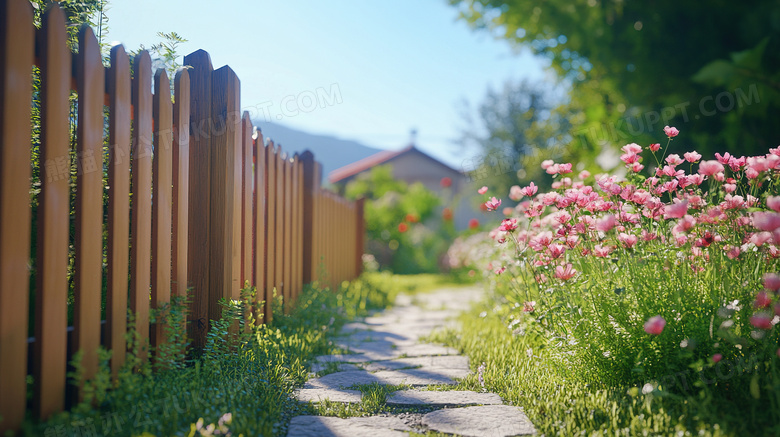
{"x":181,"y":181}
{"x":270,"y":230}
{"x":51,"y":287}
{"x":223,"y":265}
{"x":162,"y":178}
{"x":88,"y":246}
{"x":198,"y":249}
{"x":360,"y":235}
{"x":259,"y":234}
{"x":16,"y":56}
{"x":141,"y":231}
{"x":309,"y":256}
{"x":118,"y":252}
{"x":296,"y":233}
{"x":280,"y":242}
{"x":247,"y":184}
{"x":288,"y":227}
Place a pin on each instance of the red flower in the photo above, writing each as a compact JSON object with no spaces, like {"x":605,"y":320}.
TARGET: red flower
{"x":411,"y":218}
{"x":473,"y":223}
{"x":446,"y":214}
{"x":655,"y":325}
{"x":446,"y":182}
{"x":761,"y":321}
{"x":403,"y":227}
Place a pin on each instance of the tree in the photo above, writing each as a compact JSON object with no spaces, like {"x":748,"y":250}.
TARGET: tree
{"x":711,"y":69}
{"x":516,"y":128}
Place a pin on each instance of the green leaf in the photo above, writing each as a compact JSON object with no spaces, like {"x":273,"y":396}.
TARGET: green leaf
{"x":751,"y":58}
{"x":754,"y":390}
{"x":715,"y":73}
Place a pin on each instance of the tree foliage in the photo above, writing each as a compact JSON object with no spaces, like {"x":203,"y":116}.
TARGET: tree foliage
{"x":712,"y":69}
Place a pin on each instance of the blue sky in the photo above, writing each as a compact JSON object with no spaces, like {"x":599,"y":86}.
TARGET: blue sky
{"x":364,"y":70}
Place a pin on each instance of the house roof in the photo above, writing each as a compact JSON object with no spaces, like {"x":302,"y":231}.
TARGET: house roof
{"x":379,"y":158}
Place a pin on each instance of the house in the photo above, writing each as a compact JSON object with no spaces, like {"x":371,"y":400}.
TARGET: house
{"x":411,"y":165}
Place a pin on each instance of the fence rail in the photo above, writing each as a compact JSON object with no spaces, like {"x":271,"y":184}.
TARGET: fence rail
{"x":196,"y":201}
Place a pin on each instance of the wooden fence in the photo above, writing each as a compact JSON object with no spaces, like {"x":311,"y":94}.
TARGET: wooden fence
{"x":195,"y":199}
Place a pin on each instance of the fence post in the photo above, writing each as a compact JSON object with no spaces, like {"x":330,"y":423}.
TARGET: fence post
{"x":198,"y":250}
{"x":16,"y":56}
{"x":307,"y":161}
{"x":225,"y":186}
{"x":360,"y":234}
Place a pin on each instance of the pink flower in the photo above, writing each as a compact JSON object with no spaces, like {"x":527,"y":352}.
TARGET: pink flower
{"x":674,"y":160}
{"x":606,"y":223}
{"x":628,"y":240}
{"x":655,"y":147}
{"x":556,"y":250}
{"x":482,"y":190}
{"x":547,"y":163}
{"x":632,"y":148}
{"x":528,"y":307}
{"x":500,"y":270}
{"x":762,"y":300}
{"x":655,"y":325}
{"x":710,"y":168}
{"x":671,"y":132}
{"x":692,"y":156}
{"x":636,"y":167}
{"x":772,"y":281}
{"x":493,"y":204}
{"x":515,"y":193}
{"x":601,"y":251}
{"x":676,"y":210}
{"x":773,"y":203}
{"x":761,"y":321}
{"x":723,"y":159}
{"x":583,"y":175}
{"x":716,"y":358}
{"x":565,"y":273}
{"x":508,"y":225}
{"x":766,"y":221}
{"x":530,"y":190}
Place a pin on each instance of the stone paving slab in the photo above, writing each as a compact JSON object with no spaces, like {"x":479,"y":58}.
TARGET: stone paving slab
{"x":320,"y":394}
{"x":438,"y":361}
{"x":420,"y":350}
{"x":413,"y":377}
{"x":489,"y":420}
{"x":375,"y":426}
{"x":318,"y":367}
{"x":442,"y":398}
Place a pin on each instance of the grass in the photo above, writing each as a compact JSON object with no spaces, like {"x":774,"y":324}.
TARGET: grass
{"x":520,"y":367}
{"x":241,"y":382}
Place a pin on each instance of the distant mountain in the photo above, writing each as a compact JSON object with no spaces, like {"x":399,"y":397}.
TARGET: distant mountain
{"x":332,"y":152}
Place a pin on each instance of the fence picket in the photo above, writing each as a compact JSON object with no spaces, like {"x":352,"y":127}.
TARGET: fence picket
{"x":118,"y":206}
{"x":270,"y":230}
{"x":88,"y":246}
{"x":259,"y":228}
{"x":141,"y":232}
{"x":246,"y":200}
{"x":198,"y":249}
{"x":51,"y":322}
{"x":162,"y":174}
{"x":288,"y":225}
{"x":16,"y":55}
{"x":181,"y":180}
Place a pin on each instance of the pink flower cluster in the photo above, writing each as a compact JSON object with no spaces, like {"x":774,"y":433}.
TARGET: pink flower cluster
{"x":720,"y":207}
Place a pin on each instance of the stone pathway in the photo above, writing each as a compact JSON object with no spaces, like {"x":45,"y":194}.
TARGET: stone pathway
{"x":386,"y":349}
